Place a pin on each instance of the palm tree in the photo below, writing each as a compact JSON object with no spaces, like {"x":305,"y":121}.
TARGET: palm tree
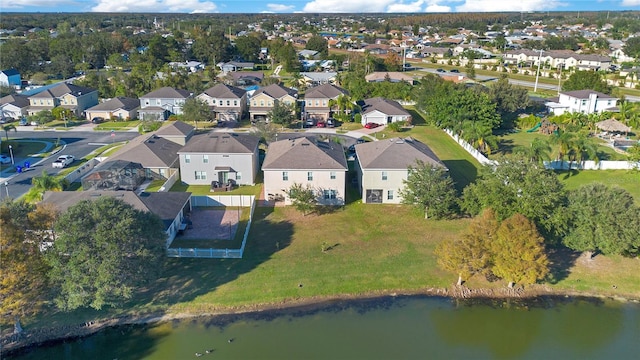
{"x":564,"y":141}
{"x":584,"y":149}
{"x":479,"y":135}
{"x":8,"y":128}
{"x":43,"y":183}
{"x":537,"y":152}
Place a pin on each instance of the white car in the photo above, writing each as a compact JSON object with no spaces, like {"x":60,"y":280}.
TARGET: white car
{"x":62,"y":161}
{"x":4,"y":159}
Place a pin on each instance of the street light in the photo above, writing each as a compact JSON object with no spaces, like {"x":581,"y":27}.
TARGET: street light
{"x":11,"y":152}
{"x":6,"y":187}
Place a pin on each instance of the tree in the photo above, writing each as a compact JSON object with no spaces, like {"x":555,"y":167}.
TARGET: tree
{"x":42,"y":183}
{"x":319,"y":44}
{"x":248,"y":47}
{"x":8,"y":128}
{"x":603,"y":219}
{"x":23,"y":284}
{"x":518,"y":253}
{"x":586,"y":80}
{"x":632,"y":47}
{"x":41,"y":117}
{"x":282,"y":114}
{"x":196,"y":110}
{"x":470,"y":253}
{"x":105,"y":249}
{"x":265,"y":131}
{"x":537,"y":152}
{"x":429,"y":187}
{"x":515,"y":186}
{"x":302,"y":198}
{"x":508,"y":98}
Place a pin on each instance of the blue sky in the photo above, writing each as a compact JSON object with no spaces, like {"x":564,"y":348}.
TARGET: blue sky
{"x":315,"y":6}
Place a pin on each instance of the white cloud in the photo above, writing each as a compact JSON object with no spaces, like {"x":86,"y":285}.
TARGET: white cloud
{"x":280,"y":7}
{"x":17,"y":4}
{"x":347,"y":6}
{"x":630,"y":3}
{"x":434,"y":7}
{"x":177,"y":6}
{"x":402,"y":7}
{"x":504,"y":5}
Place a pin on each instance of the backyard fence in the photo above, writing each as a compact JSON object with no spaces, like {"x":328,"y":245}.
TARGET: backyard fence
{"x":470,"y":149}
{"x":169,"y":183}
{"x":219,"y":200}
{"x":82,"y":170}
{"x":591,"y":165}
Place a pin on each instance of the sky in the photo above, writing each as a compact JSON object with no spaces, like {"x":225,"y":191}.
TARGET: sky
{"x":313,"y":6}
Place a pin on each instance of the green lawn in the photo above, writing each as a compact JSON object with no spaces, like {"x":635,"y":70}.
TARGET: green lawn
{"x":206,"y":189}
{"x":626,"y":179}
{"x":117,"y":125}
{"x":155,"y":185}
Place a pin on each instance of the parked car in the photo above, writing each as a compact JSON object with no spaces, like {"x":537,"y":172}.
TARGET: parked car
{"x":321,"y":124}
{"x":23,"y":122}
{"x":371,"y":125}
{"x":440,"y":70}
{"x":63,"y":161}
{"x":4,"y":159}
{"x":331,"y":122}
{"x":310,"y":122}
{"x":360,"y":141}
{"x":454,"y":71}
{"x":97,"y":120}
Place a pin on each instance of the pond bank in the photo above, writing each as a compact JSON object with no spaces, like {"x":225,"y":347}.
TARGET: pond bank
{"x":32,"y":338}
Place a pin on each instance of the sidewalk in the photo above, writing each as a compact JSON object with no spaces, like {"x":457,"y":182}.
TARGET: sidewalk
{"x":8,"y":170}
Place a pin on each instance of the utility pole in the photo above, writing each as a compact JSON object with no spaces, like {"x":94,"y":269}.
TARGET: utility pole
{"x":535,"y":88}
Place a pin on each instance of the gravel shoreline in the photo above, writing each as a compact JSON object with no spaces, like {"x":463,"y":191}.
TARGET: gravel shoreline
{"x":14,"y":343}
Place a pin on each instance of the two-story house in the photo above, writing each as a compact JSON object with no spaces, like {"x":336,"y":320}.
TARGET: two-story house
{"x":10,"y":77}
{"x":309,"y":162}
{"x":123,"y":108}
{"x":220,"y":157}
{"x":162,"y":103}
{"x":582,"y":101}
{"x":383,"y":166}
{"x":228,"y":103}
{"x":317,"y":101}
{"x":264,"y":99}
{"x":69,"y":96}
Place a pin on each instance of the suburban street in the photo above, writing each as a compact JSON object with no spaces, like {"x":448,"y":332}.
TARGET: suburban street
{"x":78,"y":143}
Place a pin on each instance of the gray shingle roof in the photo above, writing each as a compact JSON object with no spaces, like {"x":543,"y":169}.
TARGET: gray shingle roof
{"x":385,"y":106}
{"x":150,"y":151}
{"x":221,"y":143}
{"x":176,"y":128}
{"x":116,"y":103}
{"x":584,"y":94}
{"x":20,"y":101}
{"x":166,"y":205}
{"x":304,"y":153}
{"x":276,"y":91}
{"x":396,"y":153}
{"x":326,"y":91}
{"x":63,"y":89}
{"x":223,"y":91}
{"x":167,"y":93}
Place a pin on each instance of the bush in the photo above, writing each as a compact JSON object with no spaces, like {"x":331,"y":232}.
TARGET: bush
{"x":149,"y":126}
{"x":357,"y":118}
{"x":395,"y":126}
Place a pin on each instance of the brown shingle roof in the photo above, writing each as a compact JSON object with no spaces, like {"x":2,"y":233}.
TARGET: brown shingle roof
{"x":395,"y":153}
{"x":225,"y":92}
{"x":176,"y":128}
{"x":304,"y":154}
{"x":150,"y":151}
{"x":326,"y":91}
{"x":116,"y":103}
{"x":385,"y":106}
{"x":584,"y":94}
{"x":167,"y":93}
{"x":276,"y":91}
{"x":15,"y":99}
{"x":221,"y":143}
{"x":63,"y":89}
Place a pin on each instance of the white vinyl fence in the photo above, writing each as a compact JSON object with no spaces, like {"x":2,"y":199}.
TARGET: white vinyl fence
{"x":470,"y":149}
{"x":82,"y":170}
{"x":211,"y":253}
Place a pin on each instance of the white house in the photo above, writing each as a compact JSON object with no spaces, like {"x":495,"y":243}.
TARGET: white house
{"x":309,"y":162}
{"x":383,"y":166}
{"x":383,"y":111}
{"x":583,"y":101}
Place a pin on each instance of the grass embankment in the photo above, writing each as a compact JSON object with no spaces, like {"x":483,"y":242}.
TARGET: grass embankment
{"x":117,"y":125}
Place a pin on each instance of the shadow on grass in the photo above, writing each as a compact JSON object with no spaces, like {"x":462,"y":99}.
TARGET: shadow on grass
{"x":416,"y":117}
{"x":561,"y":260}
{"x":567,"y":173}
{"x":506,"y":146}
{"x":184,"y":279}
{"x":462,"y":172}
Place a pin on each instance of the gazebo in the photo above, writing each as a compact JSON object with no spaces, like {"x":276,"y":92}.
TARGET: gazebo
{"x":613,"y":125}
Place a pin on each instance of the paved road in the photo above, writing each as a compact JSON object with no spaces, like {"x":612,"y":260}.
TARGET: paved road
{"x":78,"y":144}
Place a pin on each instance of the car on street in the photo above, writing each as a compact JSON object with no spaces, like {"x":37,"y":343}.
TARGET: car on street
{"x":63,"y":161}
{"x":454,"y":71}
{"x":4,"y":159}
{"x":371,"y":125}
{"x":440,"y":70}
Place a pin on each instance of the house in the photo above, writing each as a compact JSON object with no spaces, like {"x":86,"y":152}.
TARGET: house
{"x":318,"y":78}
{"x":171,"y":207}
{"x":69,"y":96}
{"x":191,"y":66}
{"x":383,"y":111}
{"x":317,"y":99}
{"x":383,"y":166}
{"x":162,"y":103}
{"x":391,"y":76}
{"x":220,"y":157}
{"x":228,"y":103}
{"x":263,"y":100}
{"x":582,"y":101}
{"x":122,"y":108}
{"x":177,"y":132}
{"x":236,"y":66}
{"x":10,"y":77}
{"x":308,"y":54}
{"x":244,"y":78}
{"x":114,"y":175}
{"x":13,"y":107}
{"x":309,"y":162}
{"x":157,"y":155}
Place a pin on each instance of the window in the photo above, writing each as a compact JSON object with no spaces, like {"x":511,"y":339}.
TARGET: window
{"x":201,"y":175}
{"x":270,"y":103}
{"x":317,"y":102}
{"x":324,"y":102}
{"x":329,"y":194}
{"x":584,"y":102}
{"x":228,"y":102}
{"x":332,"y":175}
{"x":220,"y":102}
{"x":390,"y":195}
{"x":285,"y":176}
{"x":255,"y":103}
{"x":384,"y":175}
{"x":309,"y":103}
{"x":158,"y":102}
{"x":261,"y":102}
{"x":205,"y":159}
{"x":238,"y":176}
{"x":187,"y":159}
{"x":235,"y":102}
{"x":310,"y":175}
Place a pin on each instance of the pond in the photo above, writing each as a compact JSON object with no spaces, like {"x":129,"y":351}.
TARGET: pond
{"x":389,"y":328}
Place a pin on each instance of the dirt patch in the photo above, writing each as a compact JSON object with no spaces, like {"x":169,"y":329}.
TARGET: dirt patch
{"x":210,"y":224}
